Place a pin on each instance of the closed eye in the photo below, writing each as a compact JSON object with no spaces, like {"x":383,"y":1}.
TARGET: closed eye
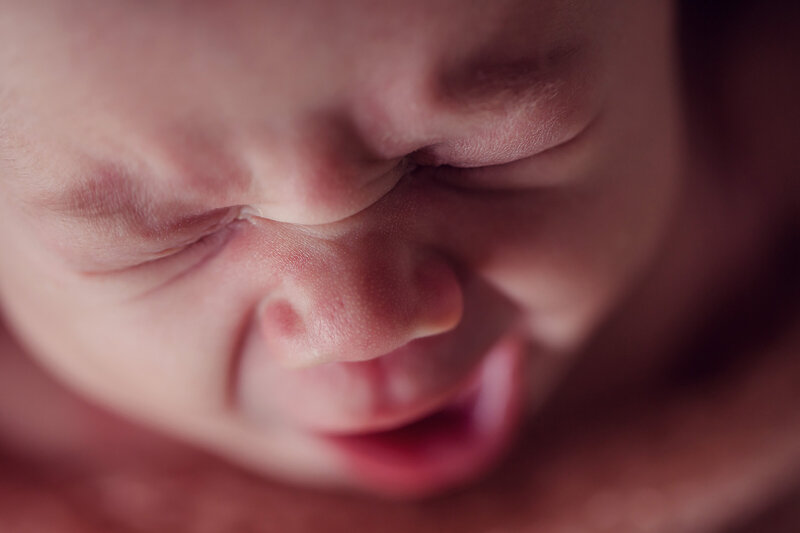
{"x":147,"y":277}
{"x":194,"y":246}
{"x":557,"y":165}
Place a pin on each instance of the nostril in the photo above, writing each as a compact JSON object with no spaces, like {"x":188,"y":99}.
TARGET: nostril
{"x":281,"y":320}
{"x":283,"y":332}
{"x":362,"y":313}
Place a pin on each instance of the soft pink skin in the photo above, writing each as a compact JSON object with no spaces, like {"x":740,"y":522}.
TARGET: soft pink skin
{"x":279,"y":326}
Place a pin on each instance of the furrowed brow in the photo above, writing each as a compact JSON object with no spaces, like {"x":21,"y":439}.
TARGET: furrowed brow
{"x":106,"y":195}
{"x":111,"y":201}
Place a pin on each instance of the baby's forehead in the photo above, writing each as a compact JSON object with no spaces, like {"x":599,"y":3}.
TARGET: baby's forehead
{"x":209,"y":90}
{"x":295,"y":57}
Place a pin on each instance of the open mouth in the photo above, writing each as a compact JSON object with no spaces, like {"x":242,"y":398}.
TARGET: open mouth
{"x":451,"y":445}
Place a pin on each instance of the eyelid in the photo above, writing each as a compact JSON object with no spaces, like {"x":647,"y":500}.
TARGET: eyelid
{"x":185,"y":235}
{"x":145,"y":279}
{"x":552,"y":166}
{"x":218,"y":219}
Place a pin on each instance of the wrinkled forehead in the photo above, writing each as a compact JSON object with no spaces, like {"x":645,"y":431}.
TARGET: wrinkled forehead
{"x":188,"y":79}
{"x":182,"y":56}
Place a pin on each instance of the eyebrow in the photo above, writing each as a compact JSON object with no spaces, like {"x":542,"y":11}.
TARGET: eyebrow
{"x":111,"y":200}
{"x":106,"y":194}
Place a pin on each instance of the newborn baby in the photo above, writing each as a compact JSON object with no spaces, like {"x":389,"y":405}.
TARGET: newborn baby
{"x":350,"y":243}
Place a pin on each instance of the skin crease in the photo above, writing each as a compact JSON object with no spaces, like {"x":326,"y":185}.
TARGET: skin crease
{"x":572,"y":255}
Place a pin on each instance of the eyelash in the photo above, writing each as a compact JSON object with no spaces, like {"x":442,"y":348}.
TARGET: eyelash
{"x":475,"y":179}
{"x":554,"y":165}
{"x":213,"y":237}
{"x":205,"y":241}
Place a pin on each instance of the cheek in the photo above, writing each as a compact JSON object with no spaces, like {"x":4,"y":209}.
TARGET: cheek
{"x":159,"y":357}
{"x":567,"y":276}
{"x":567,"y":255}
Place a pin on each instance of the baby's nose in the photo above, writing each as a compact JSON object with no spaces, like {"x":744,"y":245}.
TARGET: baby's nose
{"x":358,"y":298}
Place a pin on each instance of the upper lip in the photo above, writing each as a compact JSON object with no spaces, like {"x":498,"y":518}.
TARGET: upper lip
{"x":407,"y":414}
{"x":378,"y":394}
{"x":393,"y":390}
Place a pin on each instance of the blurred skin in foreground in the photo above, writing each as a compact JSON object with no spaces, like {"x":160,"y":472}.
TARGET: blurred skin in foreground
{"x":359,"y":244}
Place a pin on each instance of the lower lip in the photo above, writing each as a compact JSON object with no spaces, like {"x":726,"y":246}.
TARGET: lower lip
{"x":449,"y":447}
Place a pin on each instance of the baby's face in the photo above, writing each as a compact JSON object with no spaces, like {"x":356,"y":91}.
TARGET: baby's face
{"x":281,"y":229}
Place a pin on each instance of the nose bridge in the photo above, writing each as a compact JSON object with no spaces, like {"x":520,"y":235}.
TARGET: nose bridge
{"x":358,"y":297}
{"x":317,"y":170}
